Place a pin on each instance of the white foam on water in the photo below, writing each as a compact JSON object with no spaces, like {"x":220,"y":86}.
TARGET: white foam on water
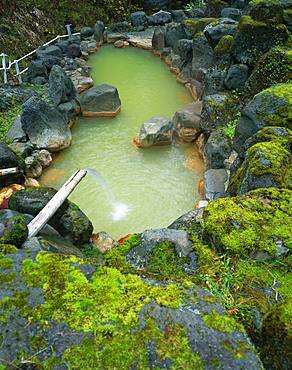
{"x":120,"y":211}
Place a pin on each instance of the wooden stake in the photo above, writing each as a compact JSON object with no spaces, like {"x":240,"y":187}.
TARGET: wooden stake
{"x":55,"y":203}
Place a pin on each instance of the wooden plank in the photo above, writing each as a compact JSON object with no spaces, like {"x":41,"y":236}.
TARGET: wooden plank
{"x":54,"y":204}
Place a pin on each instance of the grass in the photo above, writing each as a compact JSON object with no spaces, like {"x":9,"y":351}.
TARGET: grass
{"x":6,"y":120}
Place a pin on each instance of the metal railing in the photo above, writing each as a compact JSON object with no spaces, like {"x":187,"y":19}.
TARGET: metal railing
{"x":9,"y":67}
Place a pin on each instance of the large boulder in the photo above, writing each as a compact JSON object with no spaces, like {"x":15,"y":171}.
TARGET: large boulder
{"x":254,"y":38}
{"x":159,"y":19}
{"x":271,"y":107}
{"x":173,"y":33}
{"x":232,"y":13}
{"x":203,"y":55}
{"x":261,"y":10}
{"x":13,"y":229}
{"x":50,"y":55}
{"x":158,"y":39}
{"x":236,"y":77}
{"x":36,"y":72}
{"x":45,"y":126}
{"x":61,"y":88}
{"x":8,"y":159}
{"x":178,"y":16}
{"x":216,"y":30}
{"x":156,"y":131}
{"x":187,"y":122}
{"x":98,"y":32}
{"x":139,"y":19}
{"x":101,"y":100}
{"x":217,"y":149}
{"x":75,"y":314}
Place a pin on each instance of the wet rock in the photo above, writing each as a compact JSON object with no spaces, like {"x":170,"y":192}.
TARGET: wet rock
{"x":236,"y":77}
{"x":187,"y":122}
{"x":33,"y":167}
{"x":216,"y":30}
{"x":61,"y":89}
{"x":86,"y":32}
{"x":103,"y":242}
{"x":44,"y":157}
{"x":13,"y":229}
{"x":69,"y":110}
{"x":98,"y":32}
{"x":9,"y":159}
{"x":139,"y":19}
{"x":158,"y":39}
{"x":189,"y":221}
{"x":156,"y":131}
{"x":101,"y":100}
{"x":215,"y":183}
{"x":45,"y":126}
{"x":120,"y":44}
{"x":217,"y":149}
{"x":232,"y":13}
{"x":159,"y":19}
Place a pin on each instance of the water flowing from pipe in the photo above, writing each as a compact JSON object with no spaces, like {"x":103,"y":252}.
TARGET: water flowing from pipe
{"x":119,"y":210}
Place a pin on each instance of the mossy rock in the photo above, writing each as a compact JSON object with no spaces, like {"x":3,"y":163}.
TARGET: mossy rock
{"x":257,"y":224}
{"x":197,"y":26}
{"x":224,"y":47}
{"x":62,"y":311}
{"x":254,"y":38}
{"x":272,"y":68}
{"x":277,"y":337}
{"x":266,"y":164}
{"x":214,"y":7}
{"x":261,"y":10}
{"x":281,"y":135}
{"x":13,"y":230}
{"x":271,"y":107}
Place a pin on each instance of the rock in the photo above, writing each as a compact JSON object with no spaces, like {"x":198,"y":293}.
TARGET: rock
{"x":214,"y":8}
{"x":156,"y":131}
{"x":216,"y":30}
{"x":21,"y":149}
{"x":8,"y":159}
{"x":260,"y":36}
{"x":214,"y":80}
{"x":234,"y":226}
{"x":111,"y":38}
{"x":101,"y":100}
{"x":30,"y":182}
{"x":64,"y":44}
{"x":195,"y":13}
{"x":271,"y":107}
{"x":217,"y":149}
{"x":216,"y":111}
{"x":262,"y":11}
{"x":232,"y":13}
{"x":75,"y":226}
{"x":69,"y":111}
{"x":187,"y":122}
{"x":185,"y":49}
{"x":103,"y":242}
{"x":158,"y":39}
{"x":5,"y":194}
{"x":11,"y":95}
{"x":120,"y":44}
{"x":203,"y":54}
{"x":16,"y":133}
{"x":222,"y":51}
{"x":98,"y":32}
{"x":190,"y":220}
{"x":173,"y":33}
{"x":86,"y":32}
{"x":61,"y":89}
{"x":36,"y":68}
{"x":33,"y":167}
{"x":178,"y":16}
{"x":119,"y":27}
{"x":144,"y":317}
{"x":163,"y":241}
{"x":13,"y":229}
{"x":84,"y":83}
{"x":45,"y":126}
{"x":215,"y":183}
{"x":33,"y":200}
{"x":159,"y":19}
{"x":236,"y":77}
{"x":73,"y":51}
{"x":139,"y":19}
{"x":50,"y":55}
{"x":44,"y":157}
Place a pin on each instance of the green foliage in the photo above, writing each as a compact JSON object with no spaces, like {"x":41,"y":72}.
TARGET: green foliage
{"x":195,"y":4}
{"x":17,"y":233}
{"x":229,"y":130}
{"x":6,"y":120}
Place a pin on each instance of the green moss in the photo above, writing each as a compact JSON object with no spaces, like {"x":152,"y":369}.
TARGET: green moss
{"x":7,"y":248}
{"x":224,"y":46}
{"x":6,"y":120}
{"x":245,"y":224}
{"x":266,"y":10}
{"x":17,"y":234}
{"x":6,"y":263}
{"x":221,"y":323}
{"x":196,"y":26}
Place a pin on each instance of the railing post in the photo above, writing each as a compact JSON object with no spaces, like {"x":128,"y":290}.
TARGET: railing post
{"x":18,"y":72}
{"x":4,"y":67}
{"x":68,"y":28}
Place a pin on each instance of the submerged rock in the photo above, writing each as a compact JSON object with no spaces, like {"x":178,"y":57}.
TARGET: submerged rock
{"x":101,"y":100}
{"x":45,"y":126}
{"x":156,"y":131}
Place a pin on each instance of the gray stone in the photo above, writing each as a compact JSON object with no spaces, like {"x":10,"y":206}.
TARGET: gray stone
{"x":50,"y":55}
{"x":86,"y":32}
{"x":36,"y":68}
{"x":9,"y":159}
{"x":156,"y":131}
{"x":178,"y":16}
{"x":45,"y":126}
{"x":216,"y":30}
{"x":99,"y":100}
{"x":214,"y":80}
{"x":16,"y":132}
{"x":11,"y":95}
{"x":185,"y":49}
{"x":232,"y":13}
{"x":139,"y":19}
{"x":191,"y":220}
{"x":61,"y":88}
{"x":98,"y":32}
{"x":173,"y":33}
{"x":22,"y":150}
{"x":215,"y":183}
{"x":217,"y":149}
{"x":73,"y":51}
{"x":214,"y":111}
{"x":187,"y":122}
{"x":69,"y":110}
{"x":158,"y":39}
{"x":159,"y":19}
{"x":33,"y":168}
{"x":111,"y":37}
{"x":119,"y":27}
{"x":236,"y":77}
{"x":203,"y":55}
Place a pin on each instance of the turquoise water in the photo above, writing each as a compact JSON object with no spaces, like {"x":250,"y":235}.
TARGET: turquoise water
{"x":156,"y":184}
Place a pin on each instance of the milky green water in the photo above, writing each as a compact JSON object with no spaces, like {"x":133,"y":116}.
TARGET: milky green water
{"x":154,"y":183}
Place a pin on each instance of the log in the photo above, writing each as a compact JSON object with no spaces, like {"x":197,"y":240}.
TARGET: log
{"x":9,"y":171}
{"x":54,"y":204}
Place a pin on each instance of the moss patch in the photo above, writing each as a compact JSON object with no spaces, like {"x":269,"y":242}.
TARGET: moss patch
{"x":221,"y":323}
{"x":196,"y":26}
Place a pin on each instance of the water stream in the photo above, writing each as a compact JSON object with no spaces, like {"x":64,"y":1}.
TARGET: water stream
{"x":149,"y":188}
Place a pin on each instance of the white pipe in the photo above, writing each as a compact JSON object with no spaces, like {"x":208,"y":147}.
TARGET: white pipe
{"x":9,"y":171}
